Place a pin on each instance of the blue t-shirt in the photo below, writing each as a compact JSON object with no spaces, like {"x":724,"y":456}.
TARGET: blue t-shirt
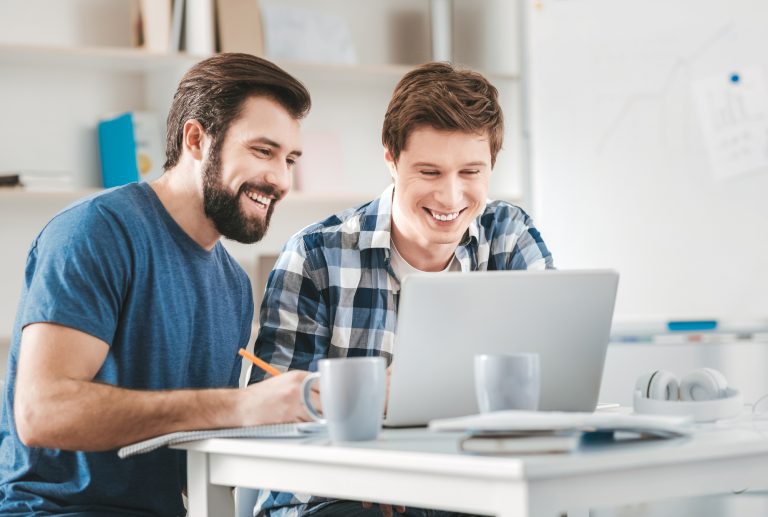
{"x":119,"y":268}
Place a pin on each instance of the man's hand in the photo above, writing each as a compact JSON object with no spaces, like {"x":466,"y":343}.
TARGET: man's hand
{"x":386,"y":509}
{"x":276,"y":400}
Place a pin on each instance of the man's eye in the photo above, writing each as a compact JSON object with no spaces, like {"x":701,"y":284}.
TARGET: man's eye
{"x":429,"y":172}
{"x":290,"y":161}
{"x":470,"y":171}
{"x":263,"y":151}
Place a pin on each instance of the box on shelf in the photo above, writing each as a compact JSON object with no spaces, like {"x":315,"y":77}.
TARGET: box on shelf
{"x":302,"y":34}
{"x":239,"y":24}
{"x":321,"y":166}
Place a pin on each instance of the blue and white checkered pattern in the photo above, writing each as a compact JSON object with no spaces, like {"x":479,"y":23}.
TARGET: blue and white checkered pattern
{"x":333,"y":292}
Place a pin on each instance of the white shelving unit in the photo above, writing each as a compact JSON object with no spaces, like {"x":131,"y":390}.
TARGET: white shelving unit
{"x":58,"y":78}
{"x":122,"y":59}
{"x":334,"y":87}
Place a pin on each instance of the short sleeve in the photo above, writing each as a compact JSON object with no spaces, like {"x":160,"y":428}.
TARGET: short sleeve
{"x":77,"y":274}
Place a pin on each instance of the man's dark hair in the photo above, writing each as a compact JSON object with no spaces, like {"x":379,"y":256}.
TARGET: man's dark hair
{"x":214,"y":90}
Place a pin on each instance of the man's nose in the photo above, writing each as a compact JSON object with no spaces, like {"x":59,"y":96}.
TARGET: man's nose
{"x":449,"y":192}
{"x":280,"y":177}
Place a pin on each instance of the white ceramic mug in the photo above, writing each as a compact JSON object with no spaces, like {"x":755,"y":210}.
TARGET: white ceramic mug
{"x":507,"y":381}
{"x":352,"y":393}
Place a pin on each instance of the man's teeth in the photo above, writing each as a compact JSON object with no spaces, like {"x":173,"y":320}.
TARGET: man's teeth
{"x":264,"y":200}
{"x":444,"y":217}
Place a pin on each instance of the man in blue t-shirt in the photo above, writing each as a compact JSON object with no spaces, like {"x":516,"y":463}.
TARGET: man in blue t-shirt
{"x":132,"y":311}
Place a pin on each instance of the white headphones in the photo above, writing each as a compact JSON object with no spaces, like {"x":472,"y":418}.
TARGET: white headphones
{"x":703,"y":394}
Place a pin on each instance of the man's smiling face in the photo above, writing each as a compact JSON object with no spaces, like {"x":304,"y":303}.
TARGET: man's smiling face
{"x":441,"y":185}
{"x":248,"y":172}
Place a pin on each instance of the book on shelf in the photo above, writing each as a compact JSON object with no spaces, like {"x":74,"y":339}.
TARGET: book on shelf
{"x":176,"y":42}
{"x":38,"y":180}
{"x":10,"y":180}
{"x":239,"y":24}
{"x":131,"y":148}
{"x":300,"y":430}
{"x":199,"y":27}
{"x":155,"y":24}
{"x":520,"y":442}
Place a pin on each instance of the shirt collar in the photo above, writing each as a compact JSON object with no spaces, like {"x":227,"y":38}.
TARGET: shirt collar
{"x":376,"y":221}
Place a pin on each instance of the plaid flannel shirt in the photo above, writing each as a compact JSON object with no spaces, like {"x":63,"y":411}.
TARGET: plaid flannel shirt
{"x":333,"y":293}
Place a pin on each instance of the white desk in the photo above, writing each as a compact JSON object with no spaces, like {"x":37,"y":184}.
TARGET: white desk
{"x":417,"y":468}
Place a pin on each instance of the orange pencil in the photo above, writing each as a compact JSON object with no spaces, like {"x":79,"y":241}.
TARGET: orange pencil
{"x":258,"y":362}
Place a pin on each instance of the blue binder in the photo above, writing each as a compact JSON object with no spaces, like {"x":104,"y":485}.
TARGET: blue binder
{"x":117,"y":146}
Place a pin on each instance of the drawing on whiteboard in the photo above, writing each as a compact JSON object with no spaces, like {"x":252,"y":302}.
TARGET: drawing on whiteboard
{"x":733,"y":113}
{"x":656,"y":91}
{"x":620,"y":165}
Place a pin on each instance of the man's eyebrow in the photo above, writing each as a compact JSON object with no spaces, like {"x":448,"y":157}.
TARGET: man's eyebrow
{"x":469,"y":164}
{"x":268,"y":141}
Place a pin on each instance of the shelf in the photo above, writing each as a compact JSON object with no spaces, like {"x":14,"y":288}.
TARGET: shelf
{"x":96,"y":58}
{"x":139,"y":60}
{"x":295,"y":197}
{"x":21,"y":193}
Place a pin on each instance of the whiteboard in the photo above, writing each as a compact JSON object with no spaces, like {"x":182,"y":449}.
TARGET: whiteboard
{"x":642,"y":116}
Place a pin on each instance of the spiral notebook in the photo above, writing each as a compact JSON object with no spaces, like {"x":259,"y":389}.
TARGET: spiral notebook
{"x":301,"y":430}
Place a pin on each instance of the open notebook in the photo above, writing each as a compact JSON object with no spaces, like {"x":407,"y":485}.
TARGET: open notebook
{"x":301,"y":430}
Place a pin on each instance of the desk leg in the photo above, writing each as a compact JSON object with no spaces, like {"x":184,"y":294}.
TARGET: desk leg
{"x":205,"y":499}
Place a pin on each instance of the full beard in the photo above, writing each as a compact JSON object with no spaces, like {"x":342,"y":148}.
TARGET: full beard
{"x":223,"y":207}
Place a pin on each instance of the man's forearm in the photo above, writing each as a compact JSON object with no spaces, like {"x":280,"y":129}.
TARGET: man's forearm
{"x":90,"y":416}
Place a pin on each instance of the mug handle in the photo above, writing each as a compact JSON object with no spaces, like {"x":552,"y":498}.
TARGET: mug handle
{"x":306,"y":399}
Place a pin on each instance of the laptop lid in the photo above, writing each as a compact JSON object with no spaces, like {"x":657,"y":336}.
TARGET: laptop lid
{"x":444,"y":320}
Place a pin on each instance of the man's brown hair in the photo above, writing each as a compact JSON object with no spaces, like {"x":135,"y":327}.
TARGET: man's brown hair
{"x":447,"y":98}
{"x":214,"y":90}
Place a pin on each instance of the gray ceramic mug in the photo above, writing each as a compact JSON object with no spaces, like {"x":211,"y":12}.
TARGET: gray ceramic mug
{"x":507,"y":381}
{"x":352,"y":393}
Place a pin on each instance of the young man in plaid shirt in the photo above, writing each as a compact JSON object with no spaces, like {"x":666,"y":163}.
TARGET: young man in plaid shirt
{"x":334,"y":289}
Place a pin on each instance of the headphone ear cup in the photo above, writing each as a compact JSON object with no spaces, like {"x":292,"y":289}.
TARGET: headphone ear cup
{"x":659,"y":385}
{"x":703,"y":384}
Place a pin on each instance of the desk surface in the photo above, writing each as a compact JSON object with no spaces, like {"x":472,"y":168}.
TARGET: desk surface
{"x":416,"y":467}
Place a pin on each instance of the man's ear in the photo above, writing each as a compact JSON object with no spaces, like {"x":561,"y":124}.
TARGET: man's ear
{"x":391,"y":165}
{"x":193,"y":139}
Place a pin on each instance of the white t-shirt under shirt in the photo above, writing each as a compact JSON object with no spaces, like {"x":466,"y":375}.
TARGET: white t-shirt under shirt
{"x":402,"y":268}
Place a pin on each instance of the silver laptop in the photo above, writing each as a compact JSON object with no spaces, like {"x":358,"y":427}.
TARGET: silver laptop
{"x":445,"y":319}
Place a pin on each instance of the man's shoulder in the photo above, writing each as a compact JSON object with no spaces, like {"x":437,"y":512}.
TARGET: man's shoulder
{"x":502,"y":214}
{"x":502,"y":223}
{"x":340,"y":230}
{"x":498,"y":207}
{"x":101,"y":212}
